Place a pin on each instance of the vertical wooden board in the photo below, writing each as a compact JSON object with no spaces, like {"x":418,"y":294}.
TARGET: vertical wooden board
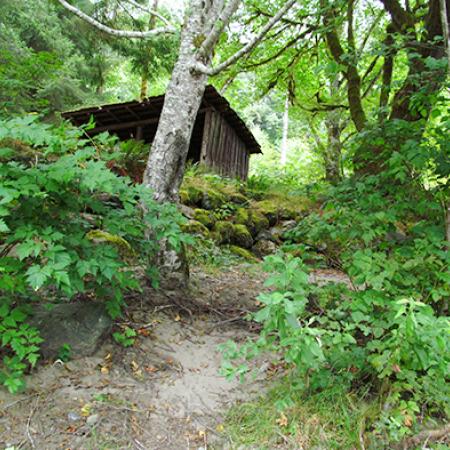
{"x":212,"y":144}
{"x":205,"y":137}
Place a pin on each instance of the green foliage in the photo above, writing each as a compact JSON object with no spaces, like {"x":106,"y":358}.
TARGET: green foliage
{"x":65,"y":352}
{"x":69,"y":227}
{"x":386,"y":329}
{"x":126,"y":337}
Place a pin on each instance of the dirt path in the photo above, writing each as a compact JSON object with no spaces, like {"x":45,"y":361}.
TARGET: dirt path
{"x":165,"y":392}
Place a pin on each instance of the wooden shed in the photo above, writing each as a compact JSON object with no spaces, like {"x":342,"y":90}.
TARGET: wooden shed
{"x":220,"y":138}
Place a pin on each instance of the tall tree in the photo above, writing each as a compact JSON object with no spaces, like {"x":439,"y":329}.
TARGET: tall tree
{"x":204,"y":23}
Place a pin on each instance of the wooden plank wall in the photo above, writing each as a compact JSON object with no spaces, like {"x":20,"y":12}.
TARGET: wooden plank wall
{"x":222,"y":149}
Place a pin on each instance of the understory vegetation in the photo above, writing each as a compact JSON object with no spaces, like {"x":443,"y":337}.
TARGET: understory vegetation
{"x":70,"y":228}
{"x":345,"y":213}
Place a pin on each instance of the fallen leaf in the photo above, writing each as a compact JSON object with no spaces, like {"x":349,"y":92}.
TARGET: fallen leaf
{"x":134,"y":366}
{"x":220,"y":428}
{"x":151,"y":369}
{"x":282,"y":421}
{"x":408,"y":420}
{"x":104,"y":370}
{"x":86,"y":410}
{"x":143,"y":332}
{"x":177,"y":318}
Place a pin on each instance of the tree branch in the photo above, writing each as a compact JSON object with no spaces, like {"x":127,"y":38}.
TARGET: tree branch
{"x":219,"y":24}
{"x":150,"y":11}
{"x":113,"y":31}
{"x":248,"y":47}
{"x":400,"y":17}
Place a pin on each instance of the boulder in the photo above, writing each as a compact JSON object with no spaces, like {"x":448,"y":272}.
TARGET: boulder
{"x":254,"y":220}
{"x":238,"y":198}
{"x":81,"y":325}
{"x":242,"y":253}
{"x":267,"y":235}
{"x":279,"y":231}
{"x":195,"y":227}
{"x":229,"y":233}
{"x":187,"y":211}
{"x":205,"y":217}
{"x":242,"y":237}
{"x":263,"y":248}
{"x":212,"y":199}
{"x":269,"y":209}
{"x":191,"y":196}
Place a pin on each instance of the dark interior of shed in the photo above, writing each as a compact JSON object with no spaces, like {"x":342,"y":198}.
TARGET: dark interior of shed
{"x":148,"y":131}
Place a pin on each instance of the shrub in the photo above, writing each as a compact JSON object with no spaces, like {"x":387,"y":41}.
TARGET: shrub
{"x":68,"y":227}
{"x":388,"y":329}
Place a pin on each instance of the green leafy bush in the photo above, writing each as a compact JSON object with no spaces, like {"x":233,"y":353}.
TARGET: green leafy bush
{"x":386,"y":328}
{"x":68,"y":227}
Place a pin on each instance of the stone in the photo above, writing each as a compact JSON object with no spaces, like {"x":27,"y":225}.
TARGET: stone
{"x":191,"y":196}
{"x":269,"y":209}
{"x":266,"y":235}
{"x":205,"y":217}
{"x":242,"y":237}
{"x":238,"y":198}
{"x":195,"y":227}
{"x":242,"y":253}
{"x":229,"y":233}
{"x":187,"y":211}
{"x":81,"y":325}
{"x":92,"y":420}
{"x":263,"y":248}
{"x":212,"y":199}
{"x":254,"y":220}
{"x":279,"y":231}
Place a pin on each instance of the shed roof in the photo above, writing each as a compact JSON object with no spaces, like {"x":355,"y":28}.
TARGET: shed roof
{"x":123,"y":116}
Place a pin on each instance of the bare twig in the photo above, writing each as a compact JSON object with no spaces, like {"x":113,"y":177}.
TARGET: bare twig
{"x":113,"y":31}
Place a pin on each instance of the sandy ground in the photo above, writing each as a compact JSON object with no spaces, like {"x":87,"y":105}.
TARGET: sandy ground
{"x":165,"y":392}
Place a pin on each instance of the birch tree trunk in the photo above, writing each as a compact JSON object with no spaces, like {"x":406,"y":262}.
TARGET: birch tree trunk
{"x":165,"y":165}
{"x":284,"y":138}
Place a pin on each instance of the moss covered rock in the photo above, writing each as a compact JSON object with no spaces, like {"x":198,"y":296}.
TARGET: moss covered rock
{"x":195,"y":227}
{"x":269,"y":209}
{"x":263,"y":248}
{"x":242,"y":236}
{"x":238,"y":198}
{"x":213,"y":199}
{"x":205,"y":217}
{"x":191,"y":195}
{"x":254,"y":220}
{"x":242,"y":253}
{"x":229,"y":233}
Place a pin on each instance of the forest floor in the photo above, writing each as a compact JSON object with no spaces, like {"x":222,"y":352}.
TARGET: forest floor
{"x":165,"y":392}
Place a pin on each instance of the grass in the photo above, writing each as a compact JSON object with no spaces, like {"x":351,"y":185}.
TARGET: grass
{"x":330,"y":420}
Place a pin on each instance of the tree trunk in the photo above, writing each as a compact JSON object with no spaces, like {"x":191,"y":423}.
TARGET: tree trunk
{"x":165,"y":165}
{"x":284,"y":139}
{"x":333,"y":150}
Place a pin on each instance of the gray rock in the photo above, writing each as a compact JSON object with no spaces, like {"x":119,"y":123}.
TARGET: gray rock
{"x":263,"y":248}
{"x":278,"y":231}
{"x":187,"y":211}
{"x":266,"y":235}
{"x":73,"y":416}
{"x":82,"y":325}
{"x":92,"y":420}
